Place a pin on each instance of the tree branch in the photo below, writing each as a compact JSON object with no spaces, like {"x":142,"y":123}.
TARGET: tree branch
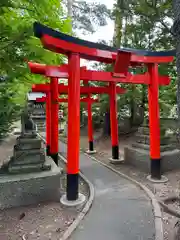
{"x":156,"y":10}
{"x":153,"y":6}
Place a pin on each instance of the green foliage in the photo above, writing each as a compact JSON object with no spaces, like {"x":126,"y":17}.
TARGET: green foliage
{"x":18,"y":44}
{"x":144,"y":24}
{"x":151,"y":29}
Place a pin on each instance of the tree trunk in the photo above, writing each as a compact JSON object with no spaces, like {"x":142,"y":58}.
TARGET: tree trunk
{"x":176,"y":31}
{"x":107,"y":127}
{"x":178,"y":77}
{"x":69,"y":7}
{"x":117,"y":37}
{"x":132,"y":105}
{"x":117,"y":31}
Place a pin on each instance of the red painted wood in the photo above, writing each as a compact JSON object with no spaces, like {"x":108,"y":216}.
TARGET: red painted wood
{"x":90,"y":75}
{"x":84,"y":90}
{"x":54,"y":116}
{"x":37,"y":68}
{"x":42,"y":99}
{"x":73,"y":114}
{"x":84,"y":100}
{"x":122,"y":63}
{"x":113,"y":115}
{"x":63,"y":47}
{"x":40,"y":88}
{"x":154,"y":120}
{"x":48,"y":120}
{"x":43,"y":69}
{"x":90,"y":122}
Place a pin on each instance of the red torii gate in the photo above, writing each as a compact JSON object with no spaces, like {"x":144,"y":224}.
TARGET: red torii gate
{"x":47,"y":100}
{"x":62,"y":89}
{"x":62,"y":72}
{"x":75,"y":49}
{"x":89,"y":75}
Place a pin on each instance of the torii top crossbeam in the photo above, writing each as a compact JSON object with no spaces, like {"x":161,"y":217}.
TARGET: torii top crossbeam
{"x":65,"y":44}
{"x":62,"y":72}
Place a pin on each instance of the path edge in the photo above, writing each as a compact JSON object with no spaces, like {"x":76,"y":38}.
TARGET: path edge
{"x":159,"y":232}
{"x":87,"y":206}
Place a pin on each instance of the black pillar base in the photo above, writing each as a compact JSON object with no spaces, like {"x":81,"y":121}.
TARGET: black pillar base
{"x":72,"y":188}
{"x":115,"y":152}
{"x":156,"y":168}
{"x":91,"y":146}
{"x":55,"y":157}
{"x":48,"y":150}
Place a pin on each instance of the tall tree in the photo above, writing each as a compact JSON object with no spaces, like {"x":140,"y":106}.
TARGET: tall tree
{"x":176,"y":32}
{"x":69,"y":8}
{"x":85,"y":16}
{"x":147,"y":24}
{"x":17,"y":44}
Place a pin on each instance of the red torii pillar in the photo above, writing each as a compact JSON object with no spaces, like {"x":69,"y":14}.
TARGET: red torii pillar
{"x":154,"y":123}
{"x":121,"y":65}
{"x":48,"y":123}
{"x":90,"y":129}
{"x":90,"y":124}
{"x":72,"y":190}
{"x":154,"y":119}
{"x":114,"y":123}
{"x":54,"y":119}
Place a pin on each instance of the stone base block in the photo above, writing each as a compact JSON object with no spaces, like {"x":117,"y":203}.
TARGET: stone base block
{"x":163,"y":179}
{"x":27,"y":143}
{"x":78,"y":202}
{"x":91,"y":152}
{"x":163,"y":148}
{"x":116,"y":161}
{"x":30,"y":156}
{"x":32,"y":188}
{"x":170,"y":160}
{"x":145,"y":139}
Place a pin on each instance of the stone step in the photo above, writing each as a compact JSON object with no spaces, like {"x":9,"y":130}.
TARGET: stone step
{"x":26,"y":144}
{"x":146,"y":139}
{"x":30,"y":152}
{"x":29,"y":168}
{"x":145,"y":131}
{"x":28,"y":157}
{"x":28,"y":140}
{"x":24,"y":160}
{"x":163,"y":148}
{"x":28,"y":135}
